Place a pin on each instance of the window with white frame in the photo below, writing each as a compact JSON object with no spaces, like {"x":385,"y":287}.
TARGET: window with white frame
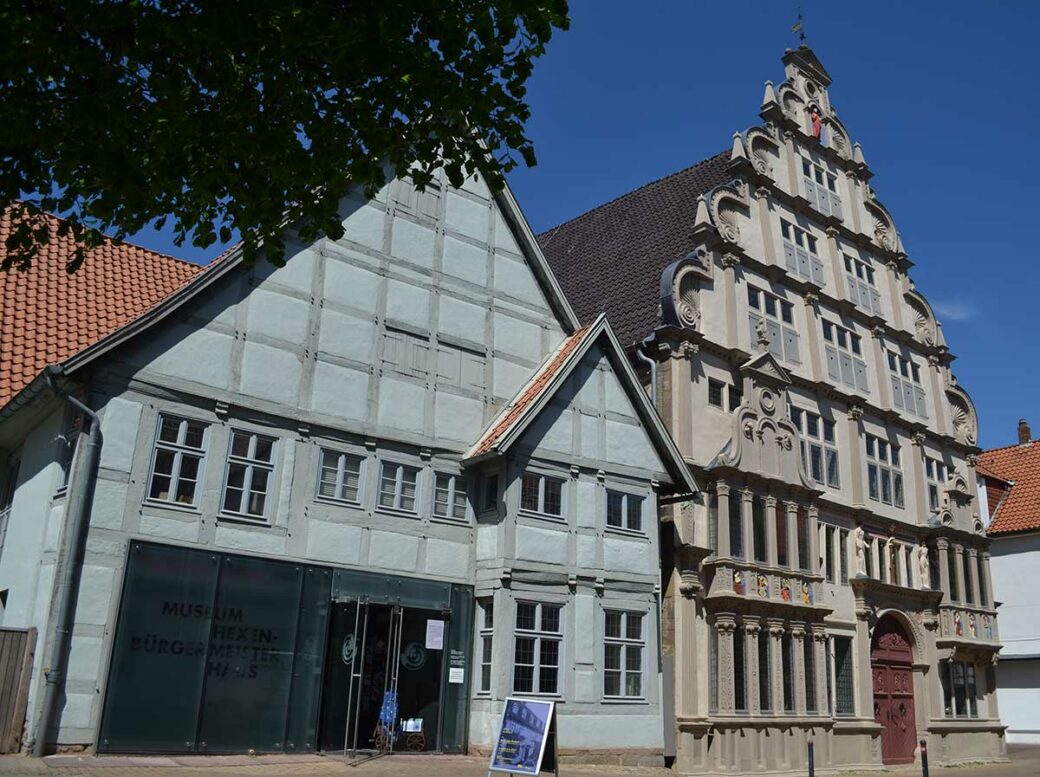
{"x":844,"y":351}
{"x":541,"y":494}
{"x":724,"y":396}
{"x":907,"y":389}
{"x":935,"y":472}
{"x":537,"y":642}
{"x":623,"y":650}
{"x":818,"y":445}
{"x":250,"y":468}
{"x":624,"y":511}
{"x":449,"y":496}
{"x":398,"y":485}
{"x":821,"y":188}
{"x":777,"y":316}
{"x":800,"y":253}
{"x":340,"y":476}
{"x":959,"y":691}
{"x":859,"y":274}
{"x":180,"y":449}
{"x":884,"y":476}
{"x":485,"y":636}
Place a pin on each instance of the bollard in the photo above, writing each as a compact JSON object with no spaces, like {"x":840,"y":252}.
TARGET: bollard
{"x":924,"y":758}
{"x":812,"y":760}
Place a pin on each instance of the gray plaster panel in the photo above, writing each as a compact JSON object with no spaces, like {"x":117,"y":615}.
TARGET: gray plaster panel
{"x":584,"y":628}
{"x":509,"y":378}
{"x":278,"y":316}
{"x":297,"y":271}
{"x":348,"y":284}
{"x":85,"y":658}
{"x":170,"y":528}
{"x":586,"y":551}
{"x":338,"y":543}
{"x":475,"y":185}
{"x":340,"y":391}
{"x":199,"y":355}
{"x":401,"y":404}
{"x":588,"y":510}
{"x":109,"y":504}
{"x":461,"y":319}
{"x":616,"y":398}
{"x":552,"y":429}
{"x":627,"y":555}
{"x":458,"y":418}
{"x":119,"y":431}
{"x":412,"y":242}
{"x":346,"y":336}
{"x":585,"y":688}
{"x":513,"y":276}
{"x":388,"y":550}
{"x":630,"y":444}
{"x":55,"y":522}
{"x":591,"y":444}
{"x":408,"y":303}
{"x":518,"y":338}
{"x":365,"y":226}
{"x":465,"y":261}
{"x":468,"y":217}
{"x":504,"y":235}
{"x":77,"y":709}
{"x":546,"y":545}
{"x":271,"y":373}
{"x":256,"y":541}
{"x":95,"y":592}
{"x":487,"y":541}
{"x":447,"y":559}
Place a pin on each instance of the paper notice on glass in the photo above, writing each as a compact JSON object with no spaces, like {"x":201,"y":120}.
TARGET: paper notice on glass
{"x":434,"y":635}
{"x":456,"y":675}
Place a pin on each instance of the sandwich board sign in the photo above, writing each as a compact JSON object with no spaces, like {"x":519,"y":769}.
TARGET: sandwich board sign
{"x":526,"y":729}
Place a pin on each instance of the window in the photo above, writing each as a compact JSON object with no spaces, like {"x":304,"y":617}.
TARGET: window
{"x":180,"y":449}
{"x":845,"y":702}
{"x":536,"y":657}
{"x":969,"y":589}
{"x":486,"y":626}
{"x":541,"y":494}
{"x":758,"y":527}
{"x":719,"y":393}
{"x":777,"y":316}
{"x":936,"y":473}
{"x":765,"y":691}
{"x":398,"y":485}
{"x":490,"y":492}
{"x":249,"y":470}
{"x":818,"y":446}
{"x":803,"y":540}
{"x":781,"y":536}
{"x":787,"y":667}
{"x":821,"y":189}
{"x":406,"y":353}
{"x":736,"y":524}
{"x":907,"y":390}
{"x":624,"y":511}
{"x":713,"y":521}
{"x":340,"y":476}
{"x":460,"y":367}
{"x":829,"y":533}
{"x":449,"y":496}
{"x":843,"y":554}
{"x":983,"y":591}
{"x":959,"y":691}
{"x":884,"y":476}
{"x":951,"y":570}
{"x":868,"y":556}
{"x":739,"y":669}
{"x":623,"y":654}
{"x":859,"y":275}
{"x":809,"y":660}
{"x":844,"y":350}
{"x":800,"y":253}
{"x":713,"y":668}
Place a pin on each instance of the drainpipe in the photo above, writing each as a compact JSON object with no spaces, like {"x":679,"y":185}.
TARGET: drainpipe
{"x":641,"y":355}
{"x":78,"y":522}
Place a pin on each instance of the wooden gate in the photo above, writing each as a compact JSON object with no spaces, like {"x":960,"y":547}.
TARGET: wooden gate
{"x":16,"y":660}
{"x":891,"y":665}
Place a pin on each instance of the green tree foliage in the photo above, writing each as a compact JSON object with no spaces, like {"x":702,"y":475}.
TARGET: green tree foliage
{"x":251,"y":115}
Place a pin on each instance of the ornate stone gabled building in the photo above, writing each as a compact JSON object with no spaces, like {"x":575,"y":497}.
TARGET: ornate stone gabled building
{"x":832,"y":583}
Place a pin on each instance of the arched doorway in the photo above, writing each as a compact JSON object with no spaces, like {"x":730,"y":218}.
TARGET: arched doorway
{"x":891,"y":667}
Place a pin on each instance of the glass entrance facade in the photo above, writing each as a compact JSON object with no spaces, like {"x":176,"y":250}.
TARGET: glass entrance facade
{"x":218,"y":653}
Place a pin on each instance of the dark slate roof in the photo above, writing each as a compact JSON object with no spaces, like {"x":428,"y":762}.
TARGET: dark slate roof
{"x":610,"y":259}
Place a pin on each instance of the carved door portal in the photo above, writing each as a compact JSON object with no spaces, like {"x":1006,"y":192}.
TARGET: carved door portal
{"x":891,"y":666}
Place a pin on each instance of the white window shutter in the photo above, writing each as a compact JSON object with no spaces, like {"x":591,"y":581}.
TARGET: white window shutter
{"x":833,"y":372}
{"x":848,"y":377}
{"x":875,"y":301}
{"x":791,"y":346}
{"x":836,"y":206}
{"x":861,"y":375}
{"x":897,"y":392}
{"x":789,"y":257}
{"x":753,"y":320}
{"x":810,"y":193}
{"x":804,"y":268}
{"x":817,"y":272}
{"x":776,"y":345}
{"x":922,"y":409}
{"x":909,"y":400}
{"x":854,"y":290}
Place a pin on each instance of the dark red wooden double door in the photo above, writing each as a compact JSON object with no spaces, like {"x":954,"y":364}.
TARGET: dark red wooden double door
{"x":891,"y":666}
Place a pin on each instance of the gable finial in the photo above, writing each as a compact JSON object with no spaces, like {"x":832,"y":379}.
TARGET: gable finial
{"x":799,"y":28}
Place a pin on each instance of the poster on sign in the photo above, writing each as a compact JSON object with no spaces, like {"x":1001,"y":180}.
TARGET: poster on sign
{"x":527,"y":725}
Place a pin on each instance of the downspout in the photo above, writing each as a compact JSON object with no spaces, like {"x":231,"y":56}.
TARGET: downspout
{"x":78,"y":522}
{"x":641,"y":355}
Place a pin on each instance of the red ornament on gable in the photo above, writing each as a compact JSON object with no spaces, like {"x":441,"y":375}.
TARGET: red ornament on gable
{"x":815,"y":124}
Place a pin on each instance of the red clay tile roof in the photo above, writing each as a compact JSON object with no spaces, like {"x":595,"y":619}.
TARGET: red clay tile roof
{"x":529,"y":393}
{"x":1019,"y":464}
{"x":49,"y":315}
{"x":610,"y":259}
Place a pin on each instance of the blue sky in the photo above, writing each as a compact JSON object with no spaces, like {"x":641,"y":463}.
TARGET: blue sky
{"x":942,"y":96}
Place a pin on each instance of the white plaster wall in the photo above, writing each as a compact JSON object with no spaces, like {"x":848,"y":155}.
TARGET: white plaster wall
{"x":1014,"y":562}
{"x":1018,"y":688}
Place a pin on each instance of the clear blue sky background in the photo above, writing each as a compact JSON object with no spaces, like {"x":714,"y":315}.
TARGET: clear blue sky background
{"x":943,"y":97}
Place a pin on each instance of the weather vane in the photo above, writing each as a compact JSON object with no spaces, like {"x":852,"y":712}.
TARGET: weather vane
{"x":799,"y":28}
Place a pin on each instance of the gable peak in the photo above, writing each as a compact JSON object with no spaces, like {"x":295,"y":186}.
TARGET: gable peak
{"x":804,"y":58}
{"x":765,"y":365}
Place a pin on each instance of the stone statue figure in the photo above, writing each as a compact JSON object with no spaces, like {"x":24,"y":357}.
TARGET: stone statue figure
{"x":923,"y":569}
{"x":861,"y":550}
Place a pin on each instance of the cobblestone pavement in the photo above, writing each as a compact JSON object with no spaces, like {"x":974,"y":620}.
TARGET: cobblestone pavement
{"x":1025,"y":762}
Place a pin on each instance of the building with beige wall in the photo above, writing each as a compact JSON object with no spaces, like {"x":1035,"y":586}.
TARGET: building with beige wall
{"x":832,"y":583}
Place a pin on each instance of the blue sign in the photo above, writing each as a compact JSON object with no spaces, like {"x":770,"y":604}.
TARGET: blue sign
{"x":522,"y":736}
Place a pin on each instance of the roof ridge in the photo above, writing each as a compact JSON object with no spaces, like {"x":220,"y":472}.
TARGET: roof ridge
{"x":1008,"y":447}
{"x":547,"y":235}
